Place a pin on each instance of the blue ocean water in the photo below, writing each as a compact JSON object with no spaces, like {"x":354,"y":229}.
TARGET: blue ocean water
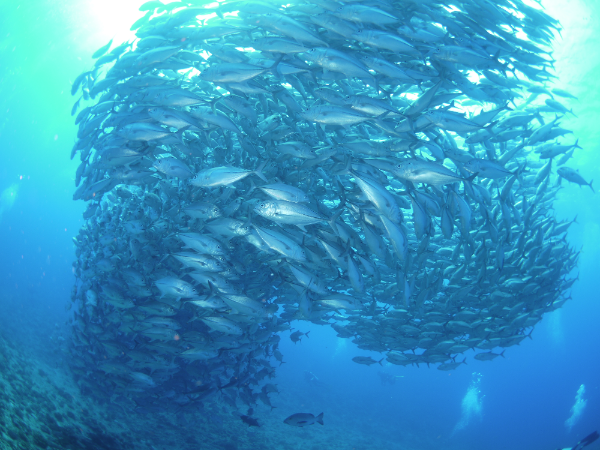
{"x":521,"y":401}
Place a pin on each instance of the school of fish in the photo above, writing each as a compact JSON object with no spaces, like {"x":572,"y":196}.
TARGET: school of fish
{"x":385,"y":167}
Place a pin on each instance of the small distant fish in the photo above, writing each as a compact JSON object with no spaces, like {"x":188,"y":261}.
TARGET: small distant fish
{"x":295,"y":336}
{"x":418,"y":171}
{"x":251,"y":421}
{"x":488,"y":356}
{"x":303,"y":419}
{"x":102,"y":50}
{"x":452,"y":365}
{"x":222,"y":176}
{"x":573,"y":176}
{"x":280,"y":191}
{"x":366,"y":360}
{"x":172,"y":167}
{"x":486,"y":169}
{"x":563,"y":93}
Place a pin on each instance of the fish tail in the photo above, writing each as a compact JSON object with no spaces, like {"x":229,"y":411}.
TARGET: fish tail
{"x":590,"y":185}
{"x":252,"y":187}
{"x":320,"y":419}
{"x":529,"y":335}
{"x":333,"y":219}
{"x":347,"y":170}
{"x":346,"y":251}
{"x":275,"y":69}
{"x":258,"y":171}
{"x":212,"y":292}
{"x":472,"y":177}
{"x":179,"y":134}
{"x":214,"y":102}
{"x":387,"y":94}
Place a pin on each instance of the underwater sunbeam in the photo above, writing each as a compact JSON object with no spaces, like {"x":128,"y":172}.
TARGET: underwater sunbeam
{"x":8,"y":198}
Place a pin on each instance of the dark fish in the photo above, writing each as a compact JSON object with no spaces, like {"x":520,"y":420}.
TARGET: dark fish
{"x":303,"y":419}
{"x":251,"y":421}
{"x":573,"y":176}
{"x":102,"y":50}
{"x":295,"y":336}
{"x":367,"y":360}
{"x":488,"y":356}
